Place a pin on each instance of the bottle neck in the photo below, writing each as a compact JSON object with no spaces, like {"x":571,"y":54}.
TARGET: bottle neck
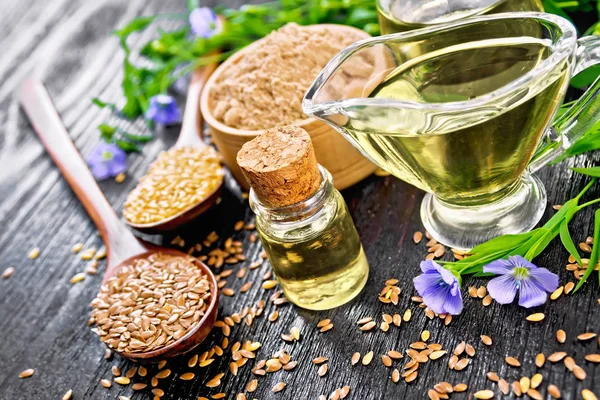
{"x":297,"y":211}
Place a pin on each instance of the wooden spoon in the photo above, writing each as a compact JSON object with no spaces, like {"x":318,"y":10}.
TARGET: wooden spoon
{"x":189,"y":136}
{"x":121,"y":245}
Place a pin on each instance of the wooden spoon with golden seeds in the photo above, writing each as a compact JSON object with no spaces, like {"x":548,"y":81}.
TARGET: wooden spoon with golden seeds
{"x":189,"y":157}
{"x":122,"y":247}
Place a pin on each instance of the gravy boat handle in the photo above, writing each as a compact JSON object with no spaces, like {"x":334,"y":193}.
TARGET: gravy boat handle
{"x":580,"y":117}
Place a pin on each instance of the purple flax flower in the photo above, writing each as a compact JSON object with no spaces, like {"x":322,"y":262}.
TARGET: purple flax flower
{"x":439,"y":288}
{"x":205,"y":23}
{"x":107,"y":160}
{"x":518,"y":274}
{"x":163,"y":110}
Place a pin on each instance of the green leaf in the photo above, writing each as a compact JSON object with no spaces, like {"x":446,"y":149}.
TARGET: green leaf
{"x":107,"y":132}
{"x":589,"y":142}
{"x":551,"y":7}
{"x":586,"y":77}
{"x":192,"y":4}
{"x":595,"y":252}
{"x":592,"y":171}
{"x":136,"y":138}
{"x":128,"y":146}
{"x":135,"y":25}
{"x":567,"y":241}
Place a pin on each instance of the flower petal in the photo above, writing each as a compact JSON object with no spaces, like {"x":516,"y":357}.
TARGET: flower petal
{"x":503,"y":289}
{"x":499,"y":267}
{"x":428,"y":266}
{"x":447,"y":276}
{"x":436,"y":296}
{"x":453,"y":304}
{"x":544,"y":279}
{"x":425,"y":281}
{"x":520,"y":261}
{"x":531,"y":295}
{"x":100,"y":171}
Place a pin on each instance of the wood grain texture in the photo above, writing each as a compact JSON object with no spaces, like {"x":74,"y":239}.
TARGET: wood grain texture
{"x":43,"y":317}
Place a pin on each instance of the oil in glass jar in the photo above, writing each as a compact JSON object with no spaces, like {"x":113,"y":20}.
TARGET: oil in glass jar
{"x":302,"y":220}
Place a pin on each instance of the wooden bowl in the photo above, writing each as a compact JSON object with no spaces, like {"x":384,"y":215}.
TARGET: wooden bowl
{"x":342,"y":160}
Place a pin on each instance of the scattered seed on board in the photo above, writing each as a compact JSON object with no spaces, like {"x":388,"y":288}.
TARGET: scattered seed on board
{"x":323,"y":322}
{"x":295,"y":332}
{"x":366,"y":360}
{"x":68,"y":395}
{"x":525,"y":384}
{"x":537,"y":317}
{"x":503,"y":386}
{"x":319,"y":360}
{"x":561,"y":336}
{"x":595,"y":358}
{"x":481,"y":292}
{"x":460,"y":348}
{"x":395,"y":375}
{"x":33,"y":253}
{"x":27,"y":373}
{"x":188,"y":376}
{"x":513,"y":362}
{"x":122,"y":380}
{"x":486,"y":340}
{"x":557,"y":293}
{"x":569,"y":287}
{"x":368,"y":326}
{"x":557,"y":356}
{"x":487,"y":300}
{"x":7,"y":273}
{"x":322,"y":370}
{"x":540,"y":359}
{"x":554,"y":391}
{"x":460,"y":387}
{"x":355,"y":358}
{"x":492,"y":376}
{"x":278,"y":387}
{"x":461,"y":364}
{"x":586,"y":336}
{"x":407,"y":315}
{"x":105,"y":383}
{"x":484,"y":394}
{"x":417,"y":237}
{"x":536,"y":380}
{"x":587,"y":394}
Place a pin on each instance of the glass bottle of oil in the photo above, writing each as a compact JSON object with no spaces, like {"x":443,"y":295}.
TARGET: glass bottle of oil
{"x":308,"y":235}
{"x":314,"y":248}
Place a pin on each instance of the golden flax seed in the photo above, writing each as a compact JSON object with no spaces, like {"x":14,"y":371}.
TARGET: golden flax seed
{"x":537,"y":317}
{"x":587,"y":394}
{"x":460,"y":387}
{"x":540,"y":359}
{"x":27,"y":373}
{"x":484,"y":394}
{"x":366,"y":360}
{"x":554,"y":391}
{"x":561,"y":336}
{"x":557,"y":356}
{"x":513,"y":362}
{"x":586,"y":336}
{"x":486,"y":340}
{"x":536,"y":380}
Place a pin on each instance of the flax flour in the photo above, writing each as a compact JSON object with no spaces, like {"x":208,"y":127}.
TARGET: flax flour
{"x":266,"y":86}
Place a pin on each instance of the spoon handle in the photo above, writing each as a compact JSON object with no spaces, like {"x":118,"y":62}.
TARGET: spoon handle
{"x":35,"y":100}
{"x":191,"y":127}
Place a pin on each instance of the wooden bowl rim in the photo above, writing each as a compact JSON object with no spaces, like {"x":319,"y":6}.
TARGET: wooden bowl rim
{"x":204,"y":97}
{"x":171,"y":350}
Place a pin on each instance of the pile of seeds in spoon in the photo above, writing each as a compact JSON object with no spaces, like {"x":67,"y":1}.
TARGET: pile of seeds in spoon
{"x":151,"y":303}
{"x":178,"y":180}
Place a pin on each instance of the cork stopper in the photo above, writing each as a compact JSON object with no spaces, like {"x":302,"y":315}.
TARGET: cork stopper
{"x":280,"y":165}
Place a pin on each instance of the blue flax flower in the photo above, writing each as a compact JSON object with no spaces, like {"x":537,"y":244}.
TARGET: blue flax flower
{"x":439,"y":288}
{"x":107,"y":160}
{"x":519,"y":275}
{"x":163,"y":110}
{"x":205,"y":23}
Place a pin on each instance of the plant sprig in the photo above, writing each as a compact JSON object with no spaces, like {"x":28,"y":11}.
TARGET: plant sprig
{"x":171,"y":54}
{"x":531,"y":244}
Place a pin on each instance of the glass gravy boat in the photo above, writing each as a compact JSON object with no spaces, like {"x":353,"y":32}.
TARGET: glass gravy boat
{"x":405,"y":15}
{"x":462,"y":111}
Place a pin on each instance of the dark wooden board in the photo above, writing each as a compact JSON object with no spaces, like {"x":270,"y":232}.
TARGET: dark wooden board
{"x":43,"y":317}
